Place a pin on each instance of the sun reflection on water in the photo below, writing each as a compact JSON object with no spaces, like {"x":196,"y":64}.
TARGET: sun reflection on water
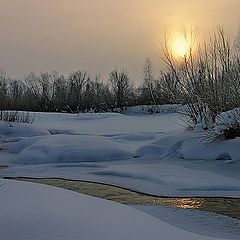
{"x":189,"y":203}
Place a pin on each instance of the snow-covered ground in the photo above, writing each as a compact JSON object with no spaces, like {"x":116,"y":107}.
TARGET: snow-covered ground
{"x":204,"y":223}
{"x":36,"y":212}
{"x":149,"y":153}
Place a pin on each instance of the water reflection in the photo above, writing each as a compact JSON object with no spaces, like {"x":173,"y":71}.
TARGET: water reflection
{"x":187,"y":202}
{"x":225,"y":206}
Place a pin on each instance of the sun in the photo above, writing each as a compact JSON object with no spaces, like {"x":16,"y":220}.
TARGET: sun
{"x":181,"y":47}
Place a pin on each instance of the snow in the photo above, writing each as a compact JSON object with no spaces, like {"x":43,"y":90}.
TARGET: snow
{"x":107,"y":124}
{"x":167,"y":144}
{"x":33,"y":211}
{"x":228,"y":118}
{"x":20,"y":130}
{"x":229,"y":149}
{"x":62,"y":148}
{"x":200,"y":222}
{"x":152,"y":153}
{"x":149,"y":153}
{"x":167,"y":180}
{"x":1,"y":182}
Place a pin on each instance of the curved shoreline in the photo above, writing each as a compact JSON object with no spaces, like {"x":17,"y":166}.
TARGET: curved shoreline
{"x":221,"y":205}
{"x":36,"y":179}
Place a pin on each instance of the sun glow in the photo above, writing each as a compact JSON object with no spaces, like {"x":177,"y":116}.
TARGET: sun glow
{"x":181,"y":47}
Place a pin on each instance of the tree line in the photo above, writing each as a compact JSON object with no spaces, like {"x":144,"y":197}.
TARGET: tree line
{"x":80,"y":91}
{"x":206,"y":80}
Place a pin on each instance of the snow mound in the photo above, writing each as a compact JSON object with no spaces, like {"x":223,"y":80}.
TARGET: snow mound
{"x":68,"y":148}
{"x":225,"y":150}
{"x":188,"y":145}
{"x":20,"y":130}
{"x":166,"y":145}
{"x":151,"y":150}
{"x":34,"y":211}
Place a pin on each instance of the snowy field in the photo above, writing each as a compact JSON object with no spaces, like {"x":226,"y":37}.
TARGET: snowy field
{"x":149,"y":153}
{"x":34,"y":211}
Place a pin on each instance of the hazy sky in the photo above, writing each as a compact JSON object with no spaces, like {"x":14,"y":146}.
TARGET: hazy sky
{"x":96,"y":35}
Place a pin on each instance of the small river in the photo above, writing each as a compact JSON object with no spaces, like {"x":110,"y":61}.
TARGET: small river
{"x":226,"y":206}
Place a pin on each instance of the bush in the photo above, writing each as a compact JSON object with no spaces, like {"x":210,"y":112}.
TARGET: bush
{"x":207,"y":81}
{"x":16,"y":116}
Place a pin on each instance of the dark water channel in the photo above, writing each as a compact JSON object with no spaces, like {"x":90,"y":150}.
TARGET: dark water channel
{"x":226,"y":206}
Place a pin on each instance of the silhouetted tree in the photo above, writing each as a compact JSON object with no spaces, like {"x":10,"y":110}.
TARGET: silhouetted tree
{"x":121,"y":87}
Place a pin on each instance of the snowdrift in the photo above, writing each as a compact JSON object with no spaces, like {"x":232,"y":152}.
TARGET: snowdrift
{"x":68,"y":148}
{"x":20,"y":130}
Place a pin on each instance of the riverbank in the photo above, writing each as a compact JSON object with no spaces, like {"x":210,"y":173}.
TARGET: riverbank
{"x":225,"y":206}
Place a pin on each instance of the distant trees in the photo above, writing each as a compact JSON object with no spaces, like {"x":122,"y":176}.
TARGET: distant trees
{"x":207,"y":81}
{"x":80,"y":91}
{"x":76,"y":83}
{"x":121,"y":88}
{"x":40,"y":90}
{"x":148,"y":82}
{"x":3,"y":90}
{"x":157,"y":91}
{"x":237,"y":41}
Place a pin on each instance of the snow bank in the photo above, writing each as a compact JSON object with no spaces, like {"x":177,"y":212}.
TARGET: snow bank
{"x":36,"y":212}
{"x":200,"y":222}
{"x":188,"y":145}
{"x":166,"y":145}
{"x":170,"y":180}
{"x":151,"y":150}
{"x":225,"y":150}
{"x":68,"y":148}
{"x":20,"y":130}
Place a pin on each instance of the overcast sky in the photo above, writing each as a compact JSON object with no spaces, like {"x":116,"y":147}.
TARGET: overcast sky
{"x":96,"y":35}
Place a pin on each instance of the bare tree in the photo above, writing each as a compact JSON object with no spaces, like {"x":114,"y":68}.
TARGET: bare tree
{"x":148,"y":83}
{"x":207,"y":79}
{"x":3,"y":90}
{"x":76,"y":83}
{"x":15,"y":92}
{"x":121,"y":87}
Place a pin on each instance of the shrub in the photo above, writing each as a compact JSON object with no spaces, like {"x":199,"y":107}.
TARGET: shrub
{"x":16,"y":116}
{"x":208,"y":81}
